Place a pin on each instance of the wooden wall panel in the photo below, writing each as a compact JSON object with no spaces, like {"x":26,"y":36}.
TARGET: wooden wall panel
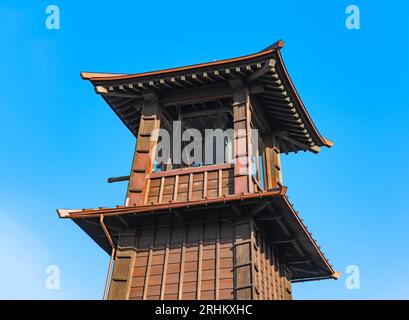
{"x":201,"y":259}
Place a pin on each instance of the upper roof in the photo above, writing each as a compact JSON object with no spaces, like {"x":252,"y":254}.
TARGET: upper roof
{"x":281,"y":105}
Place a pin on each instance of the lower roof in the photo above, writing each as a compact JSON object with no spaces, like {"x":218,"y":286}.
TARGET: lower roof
{"x":284,"y":228}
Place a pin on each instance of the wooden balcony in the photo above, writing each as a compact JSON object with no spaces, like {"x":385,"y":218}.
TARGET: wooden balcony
{"x":189,"y":184}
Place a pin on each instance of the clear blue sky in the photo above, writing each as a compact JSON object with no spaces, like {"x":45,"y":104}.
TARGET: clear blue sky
{"x":59,"y":141}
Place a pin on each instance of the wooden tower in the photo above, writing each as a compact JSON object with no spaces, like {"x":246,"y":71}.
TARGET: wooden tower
{"x":209,"y":228}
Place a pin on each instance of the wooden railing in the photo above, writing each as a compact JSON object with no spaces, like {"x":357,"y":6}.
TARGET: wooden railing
{"x":189,"y":184}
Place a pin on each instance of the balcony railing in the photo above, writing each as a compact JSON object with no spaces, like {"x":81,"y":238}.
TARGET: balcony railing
{"x":190,"y":184}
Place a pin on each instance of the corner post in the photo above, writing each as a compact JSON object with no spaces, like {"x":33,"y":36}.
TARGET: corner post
{"x":242,"y":138}
{"x":145,"y":150}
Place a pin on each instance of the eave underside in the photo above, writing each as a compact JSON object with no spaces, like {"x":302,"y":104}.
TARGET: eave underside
{"x":279,"y":102}
{"x":283,"y":228}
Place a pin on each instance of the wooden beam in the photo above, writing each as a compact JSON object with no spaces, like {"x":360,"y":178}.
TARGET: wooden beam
{"x":205,"y":112}
{"x":284,"y":135}
{"x":258,"y":208}
{"x":296,"y":262}
{"x":285,"y":241}
{"x":268,"y":66}
{"x":202,"y":93}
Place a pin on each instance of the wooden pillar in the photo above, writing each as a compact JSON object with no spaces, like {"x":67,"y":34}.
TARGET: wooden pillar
{"x":277,"y":162}
{"x":272,"y":163}
{"x":243,"y":261}
{"x":145,"y":150}
{"x":120,"y":285}
{"x":242,"y":138}
{"x":287,"y":281}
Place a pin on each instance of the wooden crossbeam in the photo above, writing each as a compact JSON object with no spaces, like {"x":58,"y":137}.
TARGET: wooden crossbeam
{"x":284,"y":136}
{"x":297,"y":262}
{"x":186,"y":96}
{"x":258,"y":208}
{"x":268,"y":66}
{"x":285,"y":241}
{"x":202,"y":93}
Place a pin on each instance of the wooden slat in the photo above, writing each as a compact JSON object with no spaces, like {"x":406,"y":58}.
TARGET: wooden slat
{"x":205,"y":185}
{"x":147,"y":188}
{"x":182,"y":265}
{"x":148,"y":268}
{"x":189,"y":197}
{"x":268,"y":270}
{"x":199,"y":264}
{"x":175,"y":191}
{"x":265,"y":270}
{"x":220,"y":190}
{"x":217,"y":263}
{"x":162,"y":185}
{"x":165,"y":264}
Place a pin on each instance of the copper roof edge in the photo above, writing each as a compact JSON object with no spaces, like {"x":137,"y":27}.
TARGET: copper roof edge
{"x":143,"y":208}
{"x":311,"y":239}
{"x":104,"y":76}
{"x":323,"y":141}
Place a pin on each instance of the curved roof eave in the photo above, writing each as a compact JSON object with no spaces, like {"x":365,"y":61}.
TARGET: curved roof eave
{"x":320,"y":140}
{"x":272,"y":51}
{"x":96,"y":76}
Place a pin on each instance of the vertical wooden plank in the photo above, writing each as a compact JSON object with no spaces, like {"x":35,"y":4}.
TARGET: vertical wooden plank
{"x":280,"y":279}
{"x":272,"y":272}
{"x":265,"y":169}
{"x":162,"y":185}
{"x":199,"y":264}
{"x":205,"y":185}
{"x":287,"y":281}
{"x":189,"y":197}
{"x":268,"y":263}
{"x":220,"y":187}
{"x":182,"y":265}
{"x":217,"y":262}
{"x":243,"y":255}
{"x":265,"y":270}
{"x":123,"y":268}
{"x":258,"y":166}
{"x":175,"y":191}
{"x":277,"y":162}
{"x":268,"y":168}
{"x":149,"y":264}
{"x":257,"y":241}
{"x":254,"y":261}
{"x":283,"y":281}
{"x":165,"y":262}
{"x":276,"y":275}
{"x":147,"y":186}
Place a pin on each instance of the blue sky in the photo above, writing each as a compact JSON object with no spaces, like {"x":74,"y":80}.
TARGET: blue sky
{"x":59,"y":141}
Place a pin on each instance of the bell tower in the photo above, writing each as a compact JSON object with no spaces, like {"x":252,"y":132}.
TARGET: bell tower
{"x":206,"y":214}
